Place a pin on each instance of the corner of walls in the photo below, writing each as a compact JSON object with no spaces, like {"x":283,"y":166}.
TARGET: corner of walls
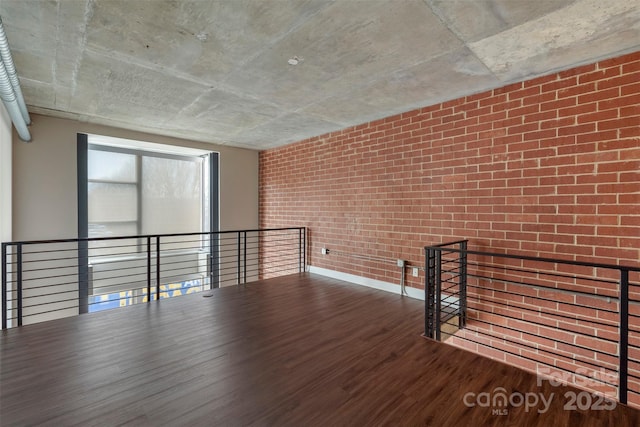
{"x":5,"y":176}
{"x":369,"y":283}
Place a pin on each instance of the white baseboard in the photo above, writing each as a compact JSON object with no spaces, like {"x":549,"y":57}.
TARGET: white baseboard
{"x":370,"y":283}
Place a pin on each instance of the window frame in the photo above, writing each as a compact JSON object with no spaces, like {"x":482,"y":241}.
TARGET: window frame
{"x":210,"y":175}
{"x":139,"y":154}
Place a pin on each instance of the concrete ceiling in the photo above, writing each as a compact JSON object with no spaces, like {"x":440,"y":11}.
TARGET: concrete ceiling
{"x":217,"y":70}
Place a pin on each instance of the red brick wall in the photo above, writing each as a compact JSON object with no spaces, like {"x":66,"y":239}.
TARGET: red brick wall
{"x":549,"y":166}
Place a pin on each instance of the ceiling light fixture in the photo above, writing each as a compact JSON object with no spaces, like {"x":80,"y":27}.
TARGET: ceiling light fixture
{"x":295,"y":60}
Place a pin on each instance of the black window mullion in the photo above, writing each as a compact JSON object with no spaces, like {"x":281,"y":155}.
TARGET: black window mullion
{"x":139,"y":192}
{"x":83,"y":222}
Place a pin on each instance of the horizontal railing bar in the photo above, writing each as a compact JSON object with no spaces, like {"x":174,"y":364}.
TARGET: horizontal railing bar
{"x":450,"y":282}
{"x":546,"y":313}
{"x":444,"y":305}
{"x":120,"y":287}
{"x":543,"y":349}
{"x":99,"y":272}
{"x":272,"y":245}
{"x":563,"y":291}
{"x":176,"y":273}
{"x":293,"y":268}
{"x":46,"y":259}
{"x":441,"y":245}
{"x":511,"y":305}
{"x":449,"y":295}
{"x":453,"y":272}
{"x":144,"y":236}
{"x":40,"y":313}
{"x":97,"y":248}
{"x":201,"y":239}
{"x":546,"y":326}
{"x":49,"y":303}
{"x":271,"y":259}
{"x":636,"y":331}
{"x":542,"y":273}
{"x":141,"y":294}
{"x":47,"y":285}
{"x":51,"y":268}
{"x":543,"y":259}
{"x":272,"y":255}
{"x":531,"y":285}
{"x":69,"y":291}
{"x":190,"y":263}
{"x":119,"y":263}
{"x":287,"y":266}
{"x":30,"y":279}
{"x":272,"y":238}
{"x":277,"y":268}
{"x":170,"y":280}
{"x":95,"y":280}
{"x":117,"y":257}
{"x":482,"y":298}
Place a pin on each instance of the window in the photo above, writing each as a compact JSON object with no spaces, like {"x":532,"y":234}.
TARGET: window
{"x":131,"y":188}
{"x":134,"y":192}
{"x":112,"y":193}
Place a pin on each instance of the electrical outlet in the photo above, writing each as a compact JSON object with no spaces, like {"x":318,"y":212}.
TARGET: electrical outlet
{"x":414,"y":272}
{"x":400,"y":262}
{"x":323,"y":251}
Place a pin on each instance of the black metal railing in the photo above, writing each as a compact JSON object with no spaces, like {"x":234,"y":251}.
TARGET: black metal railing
{"x":445,"y":289}
{"x":47,"y":279}
{"x":576,"y":322}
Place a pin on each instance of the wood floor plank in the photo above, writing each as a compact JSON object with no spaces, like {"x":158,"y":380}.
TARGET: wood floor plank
{"x":299,"y":350}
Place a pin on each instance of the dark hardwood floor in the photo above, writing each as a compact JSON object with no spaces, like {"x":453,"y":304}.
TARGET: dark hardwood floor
{"x":302,"y":350}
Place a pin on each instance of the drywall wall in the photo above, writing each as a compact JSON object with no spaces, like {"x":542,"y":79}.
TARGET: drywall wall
{"x":44,"y":179}
{"x":5,"y":175}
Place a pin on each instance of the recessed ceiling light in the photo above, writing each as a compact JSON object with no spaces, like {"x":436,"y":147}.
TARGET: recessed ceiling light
{"x":295,"y":60}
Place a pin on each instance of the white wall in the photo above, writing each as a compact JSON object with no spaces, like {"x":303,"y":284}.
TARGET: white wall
{"x":5,"y":175}
{"x":44,"y":179}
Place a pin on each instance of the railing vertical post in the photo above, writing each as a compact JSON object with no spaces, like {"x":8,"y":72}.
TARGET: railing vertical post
{"x":19,"y":282}
{"x":438,"y":294}
{"x":429,"y":292}
{"x":302,"y":236}
{"x":148,"y":268}
{"x":214,"y":251}
{"x":4,"y":285}
{"x":244,"y":260}
{"x":83,"y":276}
{"x":624,"y":336}
{"x":238,"y":264}
{"x":157,"y":269}
{"x":462,"y":304}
